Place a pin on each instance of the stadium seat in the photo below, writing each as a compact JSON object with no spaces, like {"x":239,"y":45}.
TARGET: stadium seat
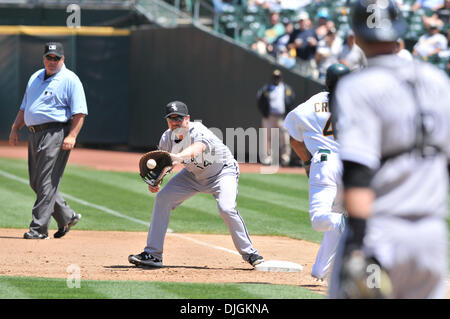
{"x":417,"y":29}
{"x":226,"y":18}
{"x":247,"y":36}
{"x":248,"y":18}
{"x":255,"y":26}
{"x":415,"y":18}
{"x":231,"y":29}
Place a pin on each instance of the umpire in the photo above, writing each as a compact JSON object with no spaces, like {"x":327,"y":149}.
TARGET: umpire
{"x":53,"y":109}
{"x":393,"y":122}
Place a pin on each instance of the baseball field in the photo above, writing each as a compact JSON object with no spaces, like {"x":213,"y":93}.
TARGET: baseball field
{"x":200,"y":259}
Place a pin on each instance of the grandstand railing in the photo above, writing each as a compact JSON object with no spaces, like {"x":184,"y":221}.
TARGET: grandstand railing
{"x":161,"y":13}
{"x":125,"y":3}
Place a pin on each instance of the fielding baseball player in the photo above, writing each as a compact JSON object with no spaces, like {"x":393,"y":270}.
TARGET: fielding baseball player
{"x":393,"y":121}
{"x":311,"y":131}
{"x":209,"y":167}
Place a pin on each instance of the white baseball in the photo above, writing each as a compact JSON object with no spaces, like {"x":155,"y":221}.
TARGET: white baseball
{"x":151,"y":163}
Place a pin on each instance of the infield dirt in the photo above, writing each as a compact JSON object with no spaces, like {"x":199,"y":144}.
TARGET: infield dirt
{"x":102,"y":255}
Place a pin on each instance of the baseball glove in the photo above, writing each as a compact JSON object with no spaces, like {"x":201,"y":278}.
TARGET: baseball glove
{"x":155,"y":176}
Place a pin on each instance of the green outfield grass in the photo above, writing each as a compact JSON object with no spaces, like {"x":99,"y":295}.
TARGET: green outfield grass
{"x":275,"y":204}
{"x":24,"y":288}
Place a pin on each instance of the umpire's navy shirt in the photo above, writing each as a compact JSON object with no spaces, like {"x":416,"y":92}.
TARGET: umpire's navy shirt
{"x":55,"y":99}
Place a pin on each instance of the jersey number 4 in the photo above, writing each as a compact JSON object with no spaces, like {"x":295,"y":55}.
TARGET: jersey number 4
{"x":328,"y":128}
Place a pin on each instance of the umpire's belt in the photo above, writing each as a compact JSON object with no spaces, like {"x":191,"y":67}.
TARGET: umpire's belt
{"x":46,"y":126}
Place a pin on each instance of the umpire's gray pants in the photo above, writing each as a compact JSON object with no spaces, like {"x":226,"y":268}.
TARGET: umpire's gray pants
{"x":224,"y":188}
{"x":46,"y":164}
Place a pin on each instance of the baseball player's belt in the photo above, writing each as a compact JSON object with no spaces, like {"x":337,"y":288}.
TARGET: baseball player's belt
{"x":324,"y":156}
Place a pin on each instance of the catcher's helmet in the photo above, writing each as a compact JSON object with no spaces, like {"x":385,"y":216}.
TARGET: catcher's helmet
{"x":377,"y":20}
{"x":334,"y":72}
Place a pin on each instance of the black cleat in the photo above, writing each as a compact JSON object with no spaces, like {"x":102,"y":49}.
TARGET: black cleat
{"x":64,"y":230}
{"x":31,"y":235}
{"x":255,"y":259}
{"x":145,"y":259}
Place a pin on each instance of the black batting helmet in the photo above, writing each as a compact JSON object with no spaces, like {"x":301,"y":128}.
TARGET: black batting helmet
{"x":377,"y":20}
{"x":334,"y":72}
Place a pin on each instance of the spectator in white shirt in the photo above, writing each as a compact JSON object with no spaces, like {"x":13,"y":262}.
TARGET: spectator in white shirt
{"x":327,"y":52}
{"x":430,"y":43}
{"x":352,"y":56}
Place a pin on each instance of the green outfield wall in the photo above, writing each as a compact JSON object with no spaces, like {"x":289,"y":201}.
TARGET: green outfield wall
{"x":100,"y":61}
{"x":129,"y":75}
{"x":217,"y":79}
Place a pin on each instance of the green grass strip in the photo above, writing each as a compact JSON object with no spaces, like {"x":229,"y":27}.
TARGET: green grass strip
{"x":275,"y":204}
{"x":51,"y":288}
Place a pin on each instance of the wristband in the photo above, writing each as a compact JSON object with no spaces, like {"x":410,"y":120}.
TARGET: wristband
{"x":357,"y":226}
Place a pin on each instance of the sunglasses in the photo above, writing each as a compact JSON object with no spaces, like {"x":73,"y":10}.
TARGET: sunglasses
{"x":52,"y":58}
{"x":177,"y":118}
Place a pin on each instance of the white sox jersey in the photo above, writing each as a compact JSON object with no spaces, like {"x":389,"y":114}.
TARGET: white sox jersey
{"x":310,"y":122}
{"x":214,"y":172}
{"x":207,"y":164}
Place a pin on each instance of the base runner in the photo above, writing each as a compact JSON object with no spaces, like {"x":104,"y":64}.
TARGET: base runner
{"x":311,"y":131}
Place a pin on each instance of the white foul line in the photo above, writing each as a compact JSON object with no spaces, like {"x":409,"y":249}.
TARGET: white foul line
{"x":117,"y":214}
{"x":206,"y":244}
{"x":80,"y":201}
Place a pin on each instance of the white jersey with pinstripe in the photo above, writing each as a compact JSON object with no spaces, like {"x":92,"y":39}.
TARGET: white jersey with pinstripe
{"x":310,"y":122}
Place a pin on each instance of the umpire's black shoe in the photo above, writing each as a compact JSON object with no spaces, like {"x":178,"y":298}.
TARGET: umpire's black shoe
{"x":64,"y":230}
{"x":255,"y":259}
{"x":31,"y":235}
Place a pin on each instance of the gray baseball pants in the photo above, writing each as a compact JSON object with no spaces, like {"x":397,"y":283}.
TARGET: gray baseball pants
{"x":413,"y":252}
{"x":224,"y":188}
{"x":46,"y":164}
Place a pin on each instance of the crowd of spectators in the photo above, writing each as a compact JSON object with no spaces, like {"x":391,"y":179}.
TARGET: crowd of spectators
{"x":309,"y":43}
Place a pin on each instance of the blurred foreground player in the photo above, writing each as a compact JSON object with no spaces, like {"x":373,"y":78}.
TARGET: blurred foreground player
{"x":393,"y":121}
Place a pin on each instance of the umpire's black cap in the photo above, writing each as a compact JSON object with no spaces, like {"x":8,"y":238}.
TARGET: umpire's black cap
{"x":55,"y":48}
{"x":377,"y":20}
{"x":176,"y":108}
